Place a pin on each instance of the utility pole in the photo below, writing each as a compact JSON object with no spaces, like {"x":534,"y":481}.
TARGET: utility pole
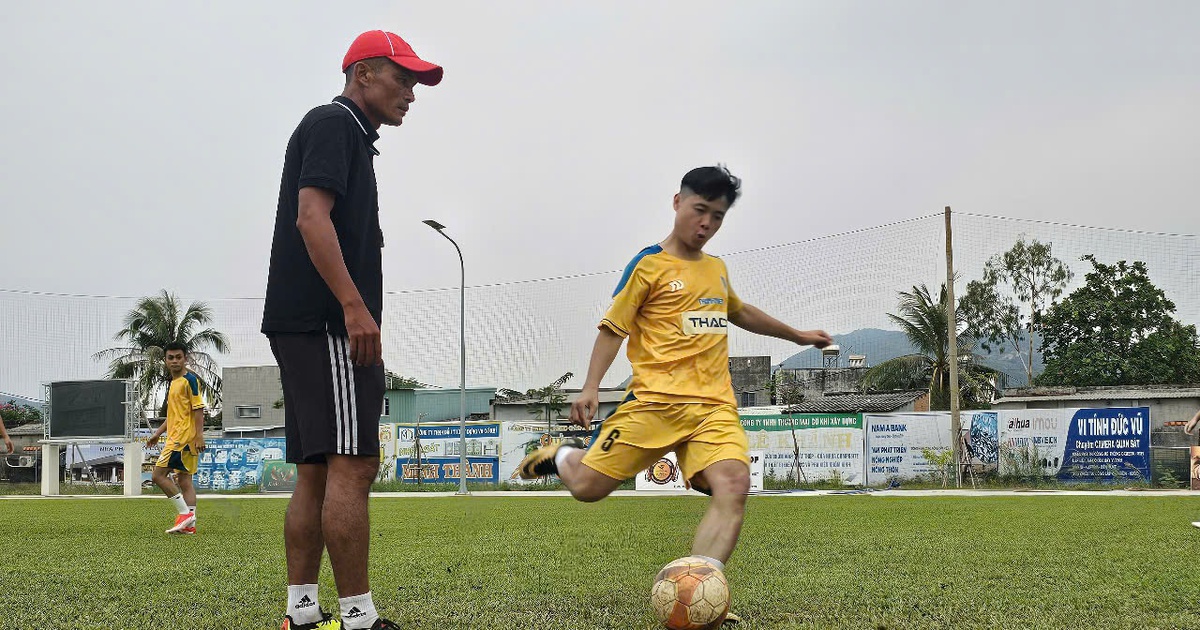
{"x":952,"y":334}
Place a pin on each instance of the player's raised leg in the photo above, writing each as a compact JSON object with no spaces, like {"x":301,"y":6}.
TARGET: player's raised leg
{"x":566,"y":460}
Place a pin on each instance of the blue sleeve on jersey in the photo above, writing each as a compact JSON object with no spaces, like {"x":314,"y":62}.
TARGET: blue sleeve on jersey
{"x":653,"y":249}
{"x":193,"y":382}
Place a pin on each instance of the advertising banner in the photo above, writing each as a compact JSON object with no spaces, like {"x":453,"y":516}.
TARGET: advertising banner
{"x":432,"y":452}
{"x":1099,"y":444}
{"x":518,"y":439}
{"x":809,"y":447}
{"x":981,"y":439}
{"x":666,"y":476}
{"x":663,"y":476}
{"x":387,"y":452}
{"x":229,"y":464}
{"x":898,"y":442}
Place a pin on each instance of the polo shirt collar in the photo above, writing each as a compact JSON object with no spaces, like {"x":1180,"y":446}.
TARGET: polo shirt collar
{"x":361,"y":118}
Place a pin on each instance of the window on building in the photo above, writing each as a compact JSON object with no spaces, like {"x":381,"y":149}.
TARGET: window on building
{"x":387,"y":407}
{"x":746,"y":399}
{"x":249,"y":411}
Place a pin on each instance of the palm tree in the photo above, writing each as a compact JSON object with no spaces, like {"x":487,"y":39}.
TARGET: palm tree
{"x":155,"y":322}
{"x":924,"y":323}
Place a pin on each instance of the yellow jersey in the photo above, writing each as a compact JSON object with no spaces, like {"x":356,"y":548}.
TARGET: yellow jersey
{"x":182,"y":398}
{"x":675,"y":314}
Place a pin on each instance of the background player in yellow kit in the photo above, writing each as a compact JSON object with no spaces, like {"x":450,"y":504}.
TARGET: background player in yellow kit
{"x":185,"y":439}
{"x":674,"y":303}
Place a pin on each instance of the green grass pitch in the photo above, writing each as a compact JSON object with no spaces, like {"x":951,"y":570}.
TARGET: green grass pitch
{"x":529,"y":562}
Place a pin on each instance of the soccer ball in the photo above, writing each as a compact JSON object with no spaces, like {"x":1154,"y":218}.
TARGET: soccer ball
{"x":690,"y":594}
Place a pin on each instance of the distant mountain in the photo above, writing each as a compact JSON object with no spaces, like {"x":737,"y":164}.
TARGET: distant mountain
{"x":877,"y":345}
{"x":882,"y":345}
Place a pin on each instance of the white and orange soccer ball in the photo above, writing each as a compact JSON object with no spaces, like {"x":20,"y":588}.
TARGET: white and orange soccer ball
{"x":690,"y":594}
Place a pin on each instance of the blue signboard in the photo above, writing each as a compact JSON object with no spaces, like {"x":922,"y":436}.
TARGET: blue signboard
{"x":229,"y":464}
{"x":1107,"y":445}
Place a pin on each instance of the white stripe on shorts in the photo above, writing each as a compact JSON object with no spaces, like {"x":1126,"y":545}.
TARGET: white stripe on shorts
{"x":351,"y":401}
{"x":334,"y":363}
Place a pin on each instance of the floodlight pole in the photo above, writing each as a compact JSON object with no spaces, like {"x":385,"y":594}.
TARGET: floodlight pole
{"x":462,"y":361}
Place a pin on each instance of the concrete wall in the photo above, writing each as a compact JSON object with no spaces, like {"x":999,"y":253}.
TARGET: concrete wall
{"x":251,"y":387}
{"x":750,"y":376}
{"x":816,"y":382}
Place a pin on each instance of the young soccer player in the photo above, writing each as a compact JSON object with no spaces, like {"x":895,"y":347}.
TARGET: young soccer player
{"x":185,"y":439}
{"x":674,"y":303}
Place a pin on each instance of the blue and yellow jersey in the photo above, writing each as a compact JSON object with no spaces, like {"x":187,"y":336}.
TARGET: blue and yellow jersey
{"x":182,"y":398}
{"x":675,"y":314}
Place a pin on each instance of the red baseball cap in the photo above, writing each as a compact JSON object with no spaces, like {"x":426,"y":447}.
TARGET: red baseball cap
{"x":382,"y":44}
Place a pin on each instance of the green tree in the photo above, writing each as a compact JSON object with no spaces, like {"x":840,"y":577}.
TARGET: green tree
{"x":1118,"y":329}
{"x":16,"y":414}
{"x":923,"y":320}
{"x":544,"y":403}
{"x":152,"y":324}
{"x":395,"y":381}
{"x":1007,"y":306}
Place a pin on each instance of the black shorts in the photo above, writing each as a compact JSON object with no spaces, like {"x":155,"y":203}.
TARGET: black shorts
{"x":331,"y":406}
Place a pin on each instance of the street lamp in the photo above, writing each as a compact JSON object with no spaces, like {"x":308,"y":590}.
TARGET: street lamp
{"x":462,"y":361}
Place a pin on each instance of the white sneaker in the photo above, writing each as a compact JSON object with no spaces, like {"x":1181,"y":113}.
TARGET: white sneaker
{"x":1195,"y":523}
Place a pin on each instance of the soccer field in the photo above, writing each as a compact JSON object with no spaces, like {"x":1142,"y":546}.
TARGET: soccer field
{"x":526,"y":561}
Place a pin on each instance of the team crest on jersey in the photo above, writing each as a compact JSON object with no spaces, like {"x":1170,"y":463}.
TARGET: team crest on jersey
{"x":676,"y":285}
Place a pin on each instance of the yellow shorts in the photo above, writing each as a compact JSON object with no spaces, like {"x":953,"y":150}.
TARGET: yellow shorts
{"x":183,"y":460}
{"x":640,"y":433}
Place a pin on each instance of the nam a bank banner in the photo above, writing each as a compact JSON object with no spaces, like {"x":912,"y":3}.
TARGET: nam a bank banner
{"x":1108,"y":444}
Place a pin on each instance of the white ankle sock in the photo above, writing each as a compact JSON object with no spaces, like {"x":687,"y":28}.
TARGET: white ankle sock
{"x":561,"y":454}
{"x":713,"y":561}
{"x":358,"y":611}
{"x":180,"y":504}
{"x":302,"y":604}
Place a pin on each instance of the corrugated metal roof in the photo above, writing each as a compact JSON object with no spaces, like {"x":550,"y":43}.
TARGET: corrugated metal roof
{"x":841,"y":403}
{"x":856,"y":403}
{"x":1100,"y":393}
{"x":33,"y":428}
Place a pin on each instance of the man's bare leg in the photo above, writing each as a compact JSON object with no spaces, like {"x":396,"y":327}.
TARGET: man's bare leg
{"x":345,"y":522}
{"x":717,"y":535}
{"x":303,"y":536}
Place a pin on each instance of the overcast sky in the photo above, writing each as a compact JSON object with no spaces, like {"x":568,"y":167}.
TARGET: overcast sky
{"x":143,"y":141}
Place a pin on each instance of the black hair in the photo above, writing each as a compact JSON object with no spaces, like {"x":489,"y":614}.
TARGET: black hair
{"x":175,"y":345}
{"x":374,"y":63}
{"x":712,"y":182}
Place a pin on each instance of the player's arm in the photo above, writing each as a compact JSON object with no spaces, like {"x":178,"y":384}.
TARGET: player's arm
{"x":608,"y":343}
{"x":754,"y":320}
{"x":320,"y":238}
{"x":1187,"y":428}
{"x":198,"y":418}
{"x":614,"y":328}
{"x":153,"y":439}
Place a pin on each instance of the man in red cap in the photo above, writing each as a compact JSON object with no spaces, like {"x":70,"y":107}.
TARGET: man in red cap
{"x":322,"y":317}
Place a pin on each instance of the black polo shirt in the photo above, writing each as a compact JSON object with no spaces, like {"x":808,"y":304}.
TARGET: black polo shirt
{"x":332,"y":148}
